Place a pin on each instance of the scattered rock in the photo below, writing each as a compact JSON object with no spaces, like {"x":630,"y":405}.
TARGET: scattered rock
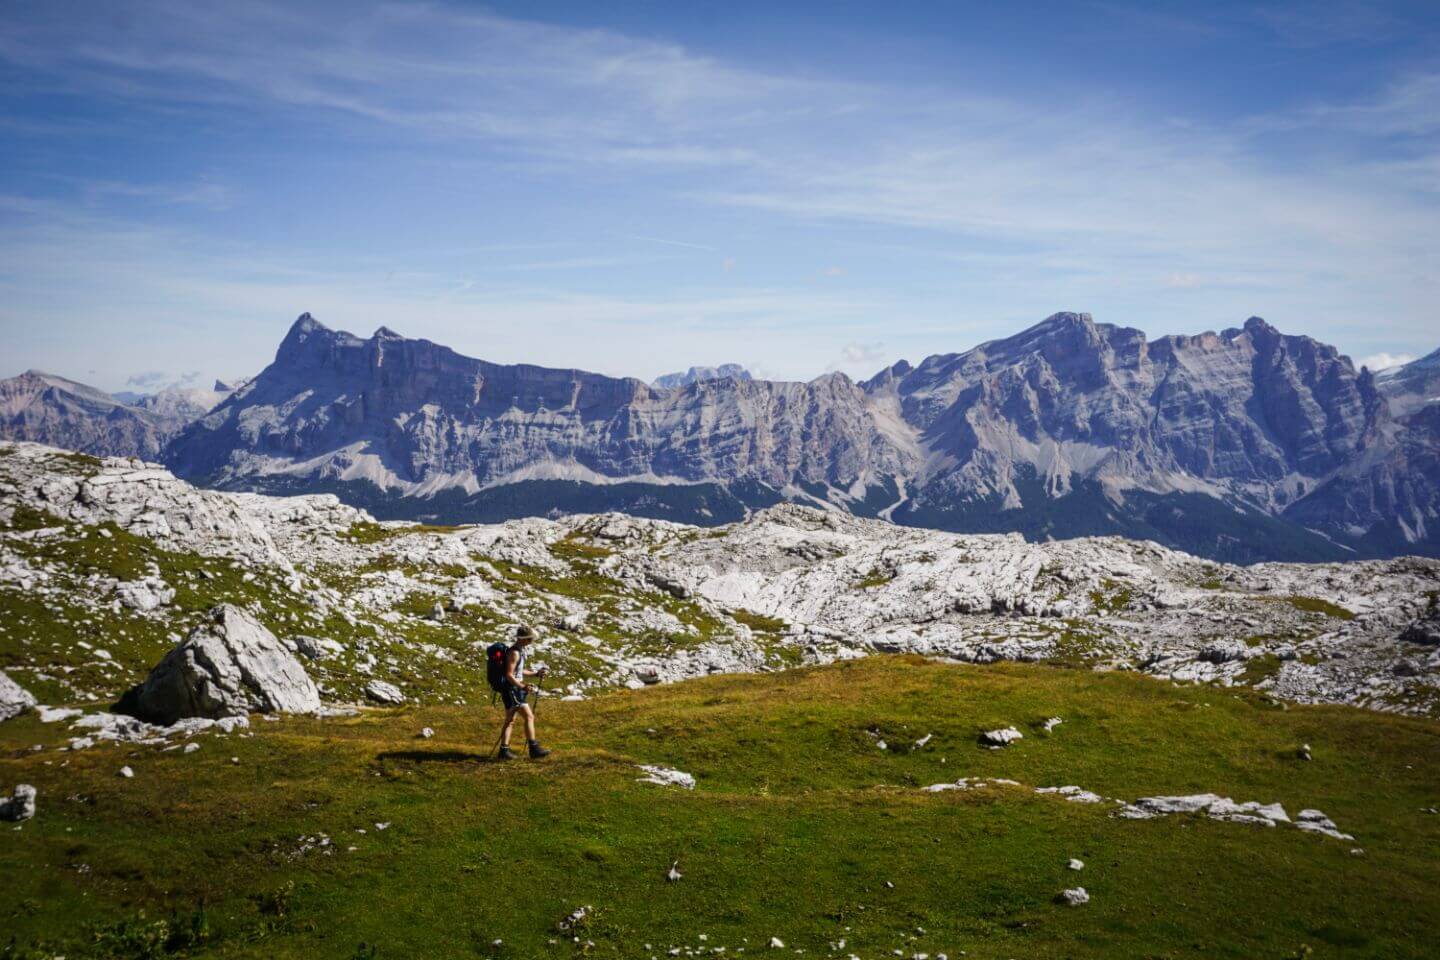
{"x":145,"y":595}
{"x":228,"y":666}
{"x":1304,"y":752}
{"x":1001,"y":738}
{"x":1225,"y":651}
{"x":674,"y":873}
{"x":127,"y":773}
{"x":14,"y":699}
{"x":20,"y":805}
{"x":382,"y":692}
{"x":191,"y":747}
{"x":1074,"y":897}
{"x":776,"y":943}
{"x":666,"y":777}
{"x":574,"y":920}
{"x":1076,"y":864}
{"x":426,"y":733}
{"x":1051,"y":724}
{"x":1212,"y":805}
{"x":1074,"y":793}
{"x":1313,"y":821}
{"x":317,"y":648}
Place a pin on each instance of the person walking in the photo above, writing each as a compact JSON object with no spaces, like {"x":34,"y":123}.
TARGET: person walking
{"x":515,"y":691}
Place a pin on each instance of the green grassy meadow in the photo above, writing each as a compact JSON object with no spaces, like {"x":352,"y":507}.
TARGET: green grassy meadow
{"x":800,"y":828}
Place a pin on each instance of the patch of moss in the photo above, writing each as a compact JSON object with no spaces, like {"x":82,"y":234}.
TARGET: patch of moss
{"x":1111,"y":597}
{"x":876,"y":578}
{"x":1259,"y":668}
{"x":1317,"y":605}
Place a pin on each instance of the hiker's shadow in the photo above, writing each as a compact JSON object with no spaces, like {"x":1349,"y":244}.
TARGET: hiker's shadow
{"x":433,"y":756}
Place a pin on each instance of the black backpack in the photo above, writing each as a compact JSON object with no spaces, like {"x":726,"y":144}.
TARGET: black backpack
{"x":495,"y":656}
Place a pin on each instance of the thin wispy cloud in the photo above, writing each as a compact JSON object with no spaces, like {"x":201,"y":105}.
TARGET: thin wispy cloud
{"x":483,"y":132}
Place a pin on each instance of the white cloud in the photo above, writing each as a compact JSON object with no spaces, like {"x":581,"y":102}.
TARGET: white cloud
{"x":1069,"y":202}
{"x":1384,"y":361}
{"x":863,"y":352}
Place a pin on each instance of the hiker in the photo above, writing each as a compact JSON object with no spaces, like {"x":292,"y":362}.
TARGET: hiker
{"x":507,"y":673}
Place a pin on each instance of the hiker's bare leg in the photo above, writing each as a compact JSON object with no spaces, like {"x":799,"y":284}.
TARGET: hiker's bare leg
{"x":529,"y":722}
{"x":505,"y":730}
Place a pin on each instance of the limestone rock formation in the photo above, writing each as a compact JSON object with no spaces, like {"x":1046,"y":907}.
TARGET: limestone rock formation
{"x":1425,"y":629}
{"x":1243,"y":445}
{"x":14,"y":699}
{"x":231,"y":666}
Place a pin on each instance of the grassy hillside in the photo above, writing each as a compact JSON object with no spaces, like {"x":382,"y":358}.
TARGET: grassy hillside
{"x":801,"y":827}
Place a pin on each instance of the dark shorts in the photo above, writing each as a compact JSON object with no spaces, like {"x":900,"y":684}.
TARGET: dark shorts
{"x":513,"y":696}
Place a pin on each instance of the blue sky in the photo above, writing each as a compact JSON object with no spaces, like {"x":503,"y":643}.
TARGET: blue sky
{"x":637,"y":187}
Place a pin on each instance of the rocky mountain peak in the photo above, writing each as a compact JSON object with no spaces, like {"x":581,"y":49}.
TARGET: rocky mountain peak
{"x":726,"y":371}
{"x":1260,"y":331}
{"x":1254,"y":426}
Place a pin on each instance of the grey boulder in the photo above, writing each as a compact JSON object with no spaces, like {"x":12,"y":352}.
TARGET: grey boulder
{"x":14,"y":699}
{"x":382,"y":692}
{"x":229,"y":666}
{"x":20,"y":806}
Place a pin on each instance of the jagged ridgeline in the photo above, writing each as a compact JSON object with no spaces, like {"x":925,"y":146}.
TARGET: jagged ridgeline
{"x":1243,"y":446}
{"x":106,"y":565}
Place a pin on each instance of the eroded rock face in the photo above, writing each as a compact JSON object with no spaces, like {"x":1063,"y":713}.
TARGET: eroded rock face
{"x":14,"y":699}
{"x":230,"y":666}
{"x":1188,"y":439}
{"x":414,"y":416}
{"x":49,"y":409}
{"x":1425,"y":629}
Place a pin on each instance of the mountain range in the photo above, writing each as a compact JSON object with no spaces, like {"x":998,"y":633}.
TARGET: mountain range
{"x":1243,"y":445}
{"x":78,"y":417}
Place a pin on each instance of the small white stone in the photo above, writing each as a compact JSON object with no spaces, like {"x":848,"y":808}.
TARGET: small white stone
{"x":1074,"y":897}
{"x":127,"y":773}
{"x":1076,"y":864}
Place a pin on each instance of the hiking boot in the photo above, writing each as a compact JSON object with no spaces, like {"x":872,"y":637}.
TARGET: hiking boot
{"x":506,"y":754}
{"x":537,"y":751}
